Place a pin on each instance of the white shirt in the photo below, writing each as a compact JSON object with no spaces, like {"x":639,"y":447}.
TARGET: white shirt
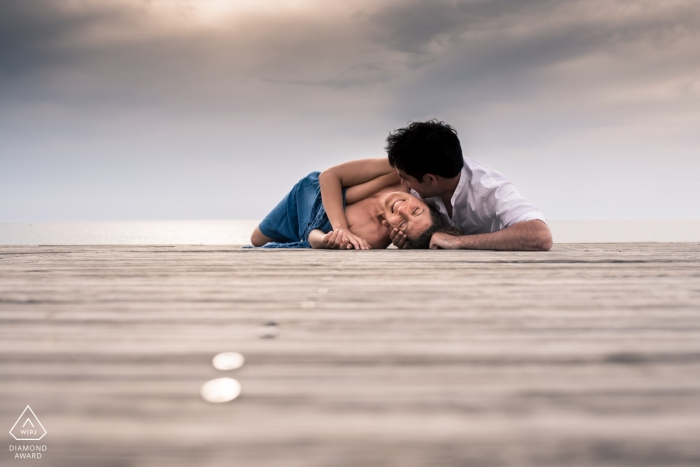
{"x":486,"y":201}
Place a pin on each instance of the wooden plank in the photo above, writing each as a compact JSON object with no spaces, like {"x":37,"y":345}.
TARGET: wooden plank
{"x":585,"y":355}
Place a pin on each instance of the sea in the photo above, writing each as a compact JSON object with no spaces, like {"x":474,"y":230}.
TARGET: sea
{"x":237,"y":232}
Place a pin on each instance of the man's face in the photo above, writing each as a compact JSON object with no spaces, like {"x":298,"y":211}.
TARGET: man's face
{"x":426,"y":188}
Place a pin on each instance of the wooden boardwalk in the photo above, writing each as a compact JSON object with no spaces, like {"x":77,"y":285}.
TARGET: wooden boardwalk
{"x":585,"y":355}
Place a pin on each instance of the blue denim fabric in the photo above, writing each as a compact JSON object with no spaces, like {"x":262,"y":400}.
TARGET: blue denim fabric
{"x":299,"y":212}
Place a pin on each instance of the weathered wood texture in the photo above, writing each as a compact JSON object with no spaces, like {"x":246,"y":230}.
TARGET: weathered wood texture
{"x":585,"y":355}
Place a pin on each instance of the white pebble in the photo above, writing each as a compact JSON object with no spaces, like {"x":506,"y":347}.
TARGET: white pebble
{"x":221,"y":390}
{"x":228,"y":361}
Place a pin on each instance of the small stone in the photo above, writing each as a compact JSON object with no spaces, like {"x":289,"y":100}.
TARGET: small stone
{"x":221,"y":390}
{"x":308,"y":305}
{"x":228,"y":361}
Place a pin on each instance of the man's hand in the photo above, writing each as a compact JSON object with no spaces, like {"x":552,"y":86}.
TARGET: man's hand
{"x":441,"y":240}
{"x":344,"y":240}
{"x":533,"y":235}
{"x":398,"y":237}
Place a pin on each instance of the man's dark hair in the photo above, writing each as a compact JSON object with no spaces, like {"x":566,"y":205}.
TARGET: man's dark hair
{"x":421,"y":148}
{"x":440,"y":224}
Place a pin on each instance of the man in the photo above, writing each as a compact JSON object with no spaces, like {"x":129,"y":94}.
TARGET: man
{"x":483,"y":203}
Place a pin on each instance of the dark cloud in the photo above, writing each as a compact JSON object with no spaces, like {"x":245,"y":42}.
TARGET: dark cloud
{"x":125,"y":49}
{"x":414,"y":26}
{"x":33,"y":35}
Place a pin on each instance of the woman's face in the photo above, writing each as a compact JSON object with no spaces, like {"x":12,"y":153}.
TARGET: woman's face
{"x":405,"y":212}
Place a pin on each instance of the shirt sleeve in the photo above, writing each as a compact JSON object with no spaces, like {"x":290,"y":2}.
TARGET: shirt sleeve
{"x":510,"y":207}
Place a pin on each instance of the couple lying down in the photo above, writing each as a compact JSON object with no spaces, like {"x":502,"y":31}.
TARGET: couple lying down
{"x":424,"y":195}
{"x":350,"y":206}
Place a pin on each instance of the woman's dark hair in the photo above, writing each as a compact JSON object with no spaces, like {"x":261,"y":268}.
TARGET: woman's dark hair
{"x":421,"y":148}
{"x":440,"y":224}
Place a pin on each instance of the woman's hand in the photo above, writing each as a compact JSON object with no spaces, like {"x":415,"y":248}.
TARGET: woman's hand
{"x":334,"y":239}
{"x":397,"y":237}
{"x":344,"y":240}
{"x":358,"y":243}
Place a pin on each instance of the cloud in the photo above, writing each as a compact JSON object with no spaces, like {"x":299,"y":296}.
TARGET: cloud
{"x":128,"y":78}
{"x":146,"y":51}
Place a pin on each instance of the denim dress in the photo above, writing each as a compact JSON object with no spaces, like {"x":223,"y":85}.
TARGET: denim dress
{"x":299,"y":212}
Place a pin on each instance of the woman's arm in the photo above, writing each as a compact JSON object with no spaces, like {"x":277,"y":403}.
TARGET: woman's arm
{"x":351,"y":174}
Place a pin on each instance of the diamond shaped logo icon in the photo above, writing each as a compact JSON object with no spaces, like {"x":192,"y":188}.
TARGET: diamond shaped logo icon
{"x":28,"y":427}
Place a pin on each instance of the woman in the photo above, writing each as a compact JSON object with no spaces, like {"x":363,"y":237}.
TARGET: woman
{"x":349,"y":206}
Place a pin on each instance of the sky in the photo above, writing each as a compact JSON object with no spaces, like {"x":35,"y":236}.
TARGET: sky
{"x":213,"y":109}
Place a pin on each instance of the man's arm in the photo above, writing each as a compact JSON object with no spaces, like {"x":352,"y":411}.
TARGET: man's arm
{"x":531,"y":235}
